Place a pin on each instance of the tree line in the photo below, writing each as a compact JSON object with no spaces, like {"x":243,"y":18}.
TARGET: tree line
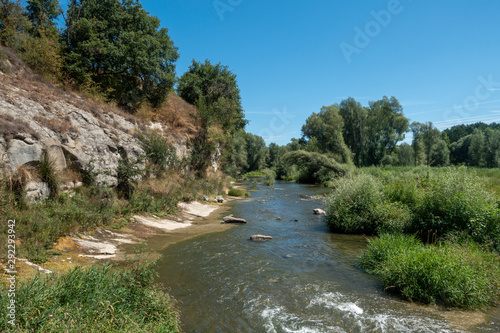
{"x":117,"y":50}
{"x":347,"y":134}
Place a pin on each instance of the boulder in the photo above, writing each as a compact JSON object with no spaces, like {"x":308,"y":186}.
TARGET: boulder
{"x":56,"y":154}
{"x":318,"y":211}
{"x":20,"y":153}
{"x":232,"y":219}
{"x":37,"y":191}
{"x":260,"y":238}
{"x":219,"y":199}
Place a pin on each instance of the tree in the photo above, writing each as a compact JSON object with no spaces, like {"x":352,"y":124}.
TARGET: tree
{"x":213,"y":88}
{"x":42,"y":13}
{"x":256,"y":152}
{"x":440,"y":154}
{"x":385,"y":127}
{"x":405,"y":155}
{"x":316,"y":167}
{"x":493,"y":148}
{"x":477,"y":149}
{"x":325,"y":130}
{"x":425,"y":137}
{"x":117,"y":46}
{"x":354,"y":116}
{"x":235,"y":156}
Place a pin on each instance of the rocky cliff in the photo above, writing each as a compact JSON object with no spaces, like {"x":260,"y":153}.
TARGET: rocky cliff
{"x":37,"y":117}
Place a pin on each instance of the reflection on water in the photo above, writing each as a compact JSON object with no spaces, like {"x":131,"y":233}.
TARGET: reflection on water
{"x":304,"y":280}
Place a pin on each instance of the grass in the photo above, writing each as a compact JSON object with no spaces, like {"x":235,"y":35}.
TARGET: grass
{"x":455,"y":275}
{"x":95,"y":299}
{"x":236,"y":192}
{"x":41,"y":224}
{"x":418,"y":213}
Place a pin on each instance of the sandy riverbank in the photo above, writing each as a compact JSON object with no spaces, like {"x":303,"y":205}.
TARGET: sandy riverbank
{"x":107,"y":244}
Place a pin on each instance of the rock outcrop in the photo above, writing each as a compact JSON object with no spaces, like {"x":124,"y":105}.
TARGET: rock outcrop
{"x":76,"y":132}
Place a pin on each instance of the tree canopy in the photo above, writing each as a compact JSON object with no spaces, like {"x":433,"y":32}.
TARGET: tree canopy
{"x":213,"y":88}
{"x":118,"y":46}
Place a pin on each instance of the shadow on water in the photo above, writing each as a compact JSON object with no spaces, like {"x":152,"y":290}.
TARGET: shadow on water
{"x":304,"y":280}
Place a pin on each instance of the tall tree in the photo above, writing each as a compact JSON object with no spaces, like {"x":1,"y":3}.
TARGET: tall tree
{"x":354,"y":116}
{"x":256,"y":152}
{"x":118,"y":46}
{"x":385,"y":127}
{"x":425,"y":137}
{"x":326,"y":130}
{"x":213,"y":88}
{"x":477,"y":149}
{"x":42,"y":13}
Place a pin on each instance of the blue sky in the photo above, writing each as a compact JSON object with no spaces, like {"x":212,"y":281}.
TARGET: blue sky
{"x":439,"y":58}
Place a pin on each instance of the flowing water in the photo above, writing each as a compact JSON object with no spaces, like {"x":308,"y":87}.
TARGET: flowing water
{"x":304,"y":280}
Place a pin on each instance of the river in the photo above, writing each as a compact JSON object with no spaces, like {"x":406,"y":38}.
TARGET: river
{"x":304,"y":280}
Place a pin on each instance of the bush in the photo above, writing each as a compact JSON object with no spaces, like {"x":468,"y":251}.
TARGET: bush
{"x":95,"y":299}
{"x":159,"y":151}
{"x":270,"y":177}
{"x":456,"y":201}
{"x":462,"y":276}
{"x":353,"y":205}
{"x":236,"y":192}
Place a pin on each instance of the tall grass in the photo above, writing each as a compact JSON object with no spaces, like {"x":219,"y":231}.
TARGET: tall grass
{"x":357,"y":205}
{"x":95,"y":299}
{"x":455,"y":275}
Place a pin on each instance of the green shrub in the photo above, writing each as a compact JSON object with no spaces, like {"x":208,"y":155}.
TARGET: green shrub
{"x":95,"y":299}
{"x":159,"y":151}
{"x":236,"y":192}
{"x":129,"y":171}
{"x":353,"y":207}
{"x":48,"y":174}
{"x":462,"y":276}
{"x":270,"y":176}
{"x":456,"y":200}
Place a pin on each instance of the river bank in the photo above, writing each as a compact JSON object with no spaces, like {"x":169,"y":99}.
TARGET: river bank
{"x":149,"y":233}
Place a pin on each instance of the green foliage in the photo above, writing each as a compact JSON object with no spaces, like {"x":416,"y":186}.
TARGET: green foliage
{"x":128,"y":172}
{"x":41,"y":224}
{"x":461,"y":276}
{"x":315,"y":167}
{"x":458,"y":201}
{"x":95,"y":299}
{"x":213,"y":88}
{"x":324,"y":129}
{"x":236,"y":192}
{"x":357,"y":206}
{"x":270,"y":176}
{"x":235,"y":158}
{"x":117,"y":46}
{"x":42,"y":13}
{"x":159,"y":151}
{"x":384,"y":127}
{"x":48,"y":174}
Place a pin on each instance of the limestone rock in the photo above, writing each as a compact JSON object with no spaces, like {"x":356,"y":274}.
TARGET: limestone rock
{"x":318,"y":211}
{"x":37,"y":191}
{"x":232,"y":219}
{"x":219,"y":199}
{"x":20,"y":153}
{"x":260,"y":238}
